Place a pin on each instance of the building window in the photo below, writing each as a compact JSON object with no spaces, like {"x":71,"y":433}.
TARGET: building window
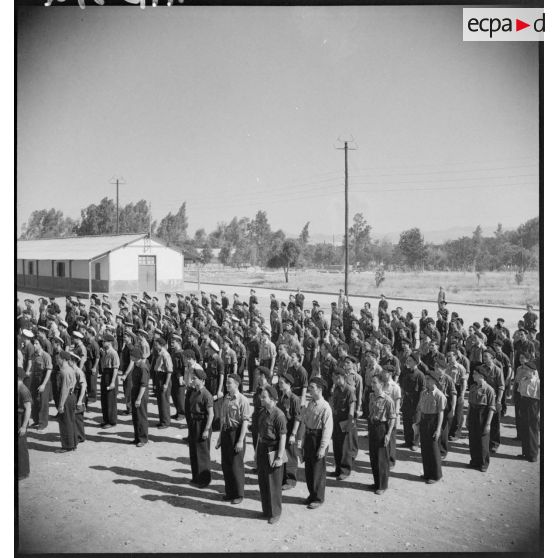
{"x":147,"y":260}
{"x":60,"y":269}
{"x":30,"y":268}
{"x":97,"y":271}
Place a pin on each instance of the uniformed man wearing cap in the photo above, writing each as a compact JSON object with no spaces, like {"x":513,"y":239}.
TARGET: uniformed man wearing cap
{"x":110,"y":363}
{"x":232,"y":439}
{"x":482,"y":406}
{"x":270,"y":453}
{"x":391,"y":388}
{"x":126,"y":366}
{"x":458,"y":374}
{"x":240,"y":351}
{"x":199,"y":439}
{"x":289,"y":404}
{"x":267,"y":351}
{"x":429,"y":419}
{"x":40,"y":386}
{"x":327,"y":366}
{"x":163,"y":371}
{"x":178,"y":384}
{"x":80,"y":394}
{"x":381,"y":425}
{"x":140,"y":396}
{"x":66,"y":405}
{"x":314,"y":436}
{"x":343,"y":404}
{"x":495,"y":379}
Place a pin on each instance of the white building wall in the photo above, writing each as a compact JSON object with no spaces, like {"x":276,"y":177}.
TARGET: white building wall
{"x":80,"y":268}
{"x":124,"y":263}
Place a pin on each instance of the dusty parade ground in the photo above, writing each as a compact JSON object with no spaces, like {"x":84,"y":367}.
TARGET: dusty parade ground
{"x":109,"y":496}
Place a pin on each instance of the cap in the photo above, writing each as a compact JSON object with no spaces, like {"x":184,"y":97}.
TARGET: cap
{"x":65,"y":355}
{"x":288,"y":378}
{"x":108,"y":338}
{"x":77,"y":334}
{"x":142,"y":332}
{"x":63,"y":323}
{"x":271,"y":391}
{"x":214,"y":346}
{"x":235,"y":377}
{"x":136,"y":352}
{"x":318,"y":382}
{"x":58,"y":340}
{"x":199,"y":373}
{"x":177,"y":337}
{"x":227,"y":339}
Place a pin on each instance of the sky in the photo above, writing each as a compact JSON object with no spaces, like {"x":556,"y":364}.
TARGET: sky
{"x":236,"y":109}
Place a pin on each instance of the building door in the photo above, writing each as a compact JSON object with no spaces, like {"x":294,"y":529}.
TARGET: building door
{"x":147,"y":273}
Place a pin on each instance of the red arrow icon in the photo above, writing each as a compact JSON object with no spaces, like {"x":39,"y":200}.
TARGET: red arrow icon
{"x":519,"y":25}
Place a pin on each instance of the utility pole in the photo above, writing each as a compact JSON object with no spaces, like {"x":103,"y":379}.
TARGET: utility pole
{"x":117,"y":180}
{"x":346,"y":148}
{"x":149,"y":219}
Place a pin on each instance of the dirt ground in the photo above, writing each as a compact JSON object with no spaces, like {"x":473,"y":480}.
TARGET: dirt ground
{"x":110,"y":496}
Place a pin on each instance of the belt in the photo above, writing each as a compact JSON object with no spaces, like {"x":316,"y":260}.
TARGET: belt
{"x":229,"y":428}
{"x":197,"y":416}
{"x":314,"y":430}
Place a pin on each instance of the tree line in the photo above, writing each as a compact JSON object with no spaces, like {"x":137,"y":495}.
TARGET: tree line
{"x":253,"y":242}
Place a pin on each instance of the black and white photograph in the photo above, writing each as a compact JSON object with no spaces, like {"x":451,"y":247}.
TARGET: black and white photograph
{"x":278,"y":278}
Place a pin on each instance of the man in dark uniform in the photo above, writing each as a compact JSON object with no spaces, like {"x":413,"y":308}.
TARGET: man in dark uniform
{"x":163,"y":371}
{"x":40,"y":386}
{"x":272,"y":433}
{"x":495,"y":379}
{"x":140,"y":395}
{"x":289,"y":403}
{"x":23,"y":415}
{"x":66,"y":405}
{"x":178,"y":385}
{"x":232,"y":439}
{"x":126,"y":366}
{"x":343,"y":404}
{"x":412,"y":382}
{"x":110,"y":362}
{"x":199,"y":439}
{"x":482,"y":406}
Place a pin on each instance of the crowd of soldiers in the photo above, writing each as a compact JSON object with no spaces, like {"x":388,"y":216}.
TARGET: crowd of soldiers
{"x":310,"y":380}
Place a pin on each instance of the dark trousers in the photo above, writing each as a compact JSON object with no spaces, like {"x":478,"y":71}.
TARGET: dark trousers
{"x":108,"y":398}
{"x":478,"y":440}
{"x":91,"y":379}
{"x":343,"y":451}
{"x":291,"y":466}
{"x":40,"y":404}
{"x":232,"y":463}
{"x":444,"y":435}
{"x":139,"y":417}
{"x":251,"y":374}
{"x":392,"y":451}
{"x":200,"y":460}
{"x":67,"y":423}
{"x":127,"y":389}
{"x":408,"y":409}
{"x":517,"y":405}
{"x":187,"y":394}
{"x":379,"y":454}
{"x":163,"y":398}
{"x":240,"y":372}
{"x":23,"y":469}
{"x":270,"y":480}
{"x":495,"y":431}
{"x":365,"y":401}
{"x":314,"y":468}
{"x":430,"y":448}
{"x":529,"y":433}
{"x":457,"y":422}
{"x":178,"y":394}
{"x":80,"y":426}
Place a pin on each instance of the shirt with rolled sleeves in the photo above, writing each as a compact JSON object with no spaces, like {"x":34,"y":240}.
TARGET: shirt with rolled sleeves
{"x":267,"y":350}
{"x":41,"y":363}
{"x":482,"y":397}
{"x":457,"y":373}
{"x":381,"y":408}
{"x":290,"y":405}
{"x":317,"y":415}
{"x":67,"y":380}
{"x":236,"y":409}
{"x":432,"y":402}
{"x":393,"y":390}
{"x":110,"y":359}
{"x":271,"y":426}
{"x":494,"y":378}
{"x":163,"y":362}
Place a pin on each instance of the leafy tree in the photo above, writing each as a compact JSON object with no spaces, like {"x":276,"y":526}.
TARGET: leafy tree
{"x":134,"y":218}
{"x":411,"y":246}
{"x":225,"y":254}
{"x":172,"y":228}
{"x":477,"y":246}
{"x":304,"y":234}
{"x":207,"y":254}
{"x":259,"y":233}
{"x":286,"y":257}
{"x":98,"y":219}
{"x":200,"y":238}
{"x":47,"y":223}
{"x":359,"y":239}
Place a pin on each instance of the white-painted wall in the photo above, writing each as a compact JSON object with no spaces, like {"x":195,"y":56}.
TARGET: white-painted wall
{"x":123,"y":262}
